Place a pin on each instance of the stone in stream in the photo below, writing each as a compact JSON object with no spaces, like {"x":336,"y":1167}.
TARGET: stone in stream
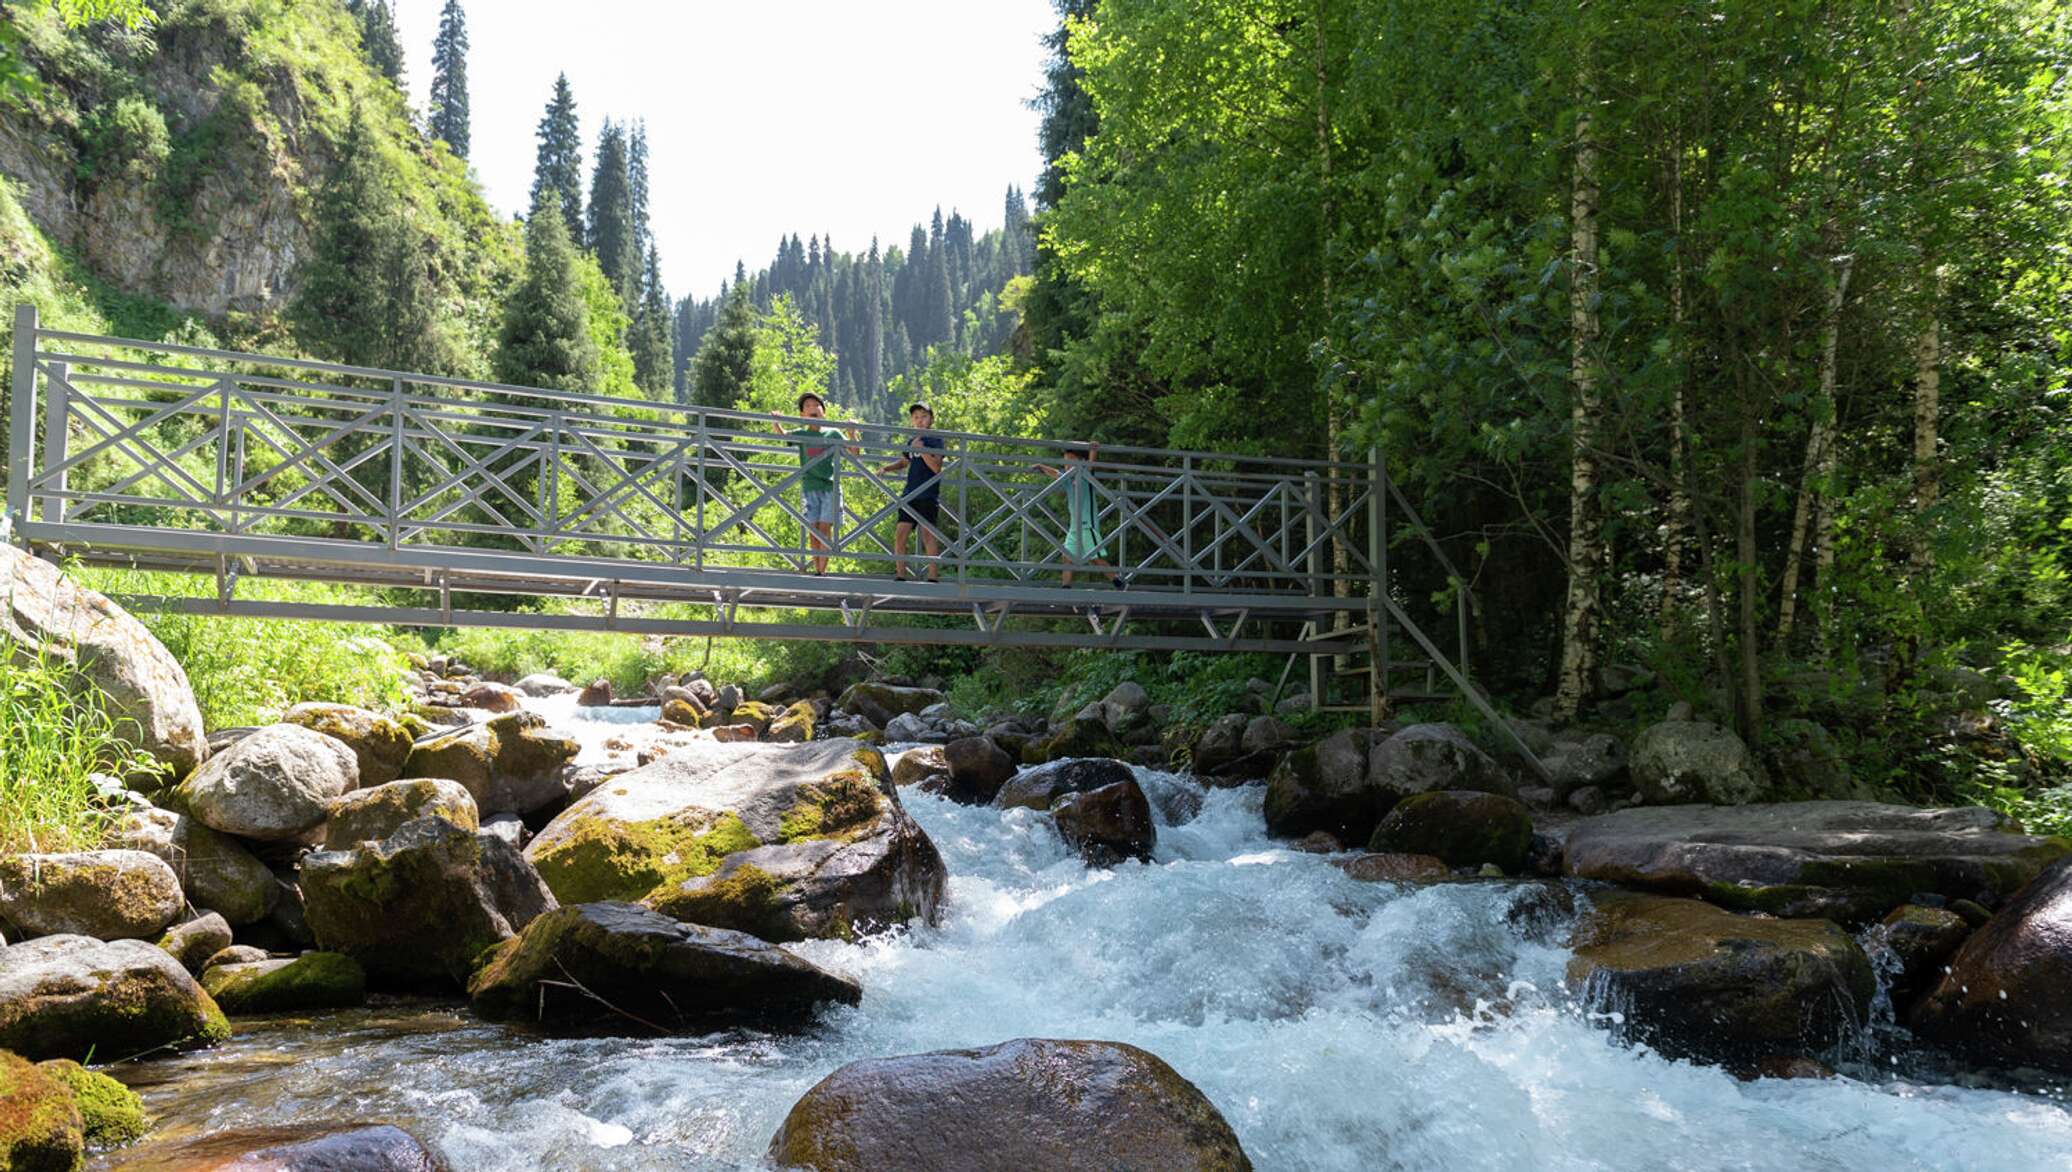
{"x":978,"y":767}
{"x":625,"y":965}
{"x":1426,"y":757}
{"x":595,"y":694}
{"x":41,"y":1126}
{"x":1040,"y":788}
{"x":1850,"y":861}
{"x":490,"y":697}
{"x":109,"y":895}
{"x":1920,"y":939}
{"x":110,"y":1114}
{"x":1592,"y":759}
{"x":1461,"y":828}
{"x":420,"y":906}
{"x":380,"y":743}
{"x":148,"y":693}
{"x":2006,"y":996}
{"x":879,"y":703}
{"x":544,"y":684}
{"x":370,"y":815}
{"x":794,"y":726}
{"x":1325,"y":787}
{"x":194,"y":942}
{"x":235,"y":954}
{"x":1220,"y":745}
{"x":1694,"y":981}
{"x":314,"y":980}
{"x":1107,"y":825}
{"x":509,"y":763}
{"x":275,"y":785}
{"x":1077,"y":737}
{"x":215,"y":871}
{"x":786,"y":841}
{"x":74,"y":996}
{"x":348,"y":1147}
{"x":1694,"y":761}
{"x":925,"y":765}
{"x":1387,"y":868}
{"x":1021,"y":1105}
{"x":681,"y":711}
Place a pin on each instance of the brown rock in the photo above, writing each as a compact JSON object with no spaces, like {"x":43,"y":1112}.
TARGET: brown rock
{"x":595,"y":694}
{"x":1108,"y":824}
{"x":493,"y":698}
{"x":2007,"y":996}
{"x":1387,"y":868}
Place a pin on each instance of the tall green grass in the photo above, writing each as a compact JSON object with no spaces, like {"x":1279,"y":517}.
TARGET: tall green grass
{"x":56,"y":731}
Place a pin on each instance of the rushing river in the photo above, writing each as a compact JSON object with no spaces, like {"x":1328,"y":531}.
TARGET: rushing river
{"x":1337,"y":1024}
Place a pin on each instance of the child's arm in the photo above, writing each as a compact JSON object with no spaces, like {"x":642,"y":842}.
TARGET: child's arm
{"x":934,"y":463}
{"x":1047,"y":470}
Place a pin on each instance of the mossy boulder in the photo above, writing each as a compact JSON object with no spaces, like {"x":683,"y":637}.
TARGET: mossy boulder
{"x":419,"y":907}
{"x":636,"y":968}
{"x":1460,"y":828}
{"x":793,"y":726}
{"x":755,"y":714}
{"x":109,"y":895}
{"x":2006,"y":996}
{"x":1849,"y":861}
{"x":1040,"y":788}
{"x":192,"y":943}
{"x":1679,"y":761}
{"x":1422,"y":758}
{"x":821,"y":821}
{"x":314,"y":980}
{"x":1077,"y":737}
{"x":1694,"y":981}
{"x":681,"y":711}
{"x":879,"y":703}
{"x":1025,"y":1104}
{"x":41,"y":1127}
{"x":370,"y":815}
{"x":274,"y":785}
{"x":511,"y":763}
{"x":215,"y":870}
{"x":110,"y":1114}
{"x":1325,"y":787}
{"x":379,"y":743}
{"x":71,"y":996}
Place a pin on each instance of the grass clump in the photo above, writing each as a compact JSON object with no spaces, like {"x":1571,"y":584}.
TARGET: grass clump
{"x":56,"y":731}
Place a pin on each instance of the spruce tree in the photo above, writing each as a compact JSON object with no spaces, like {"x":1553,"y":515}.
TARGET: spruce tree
{"x":610,"y":229}
{"x":637,"y":186}
{"x":650,"y":338}
{"x":450,"y":79}
{"x":1018,"y":247}
{"x":559,"y":165}
{"x":545,"y":340}
{"x":378,"y":37}
{"x":337,"y":310}
{"x":874,"y":322}
{"x":726,"y":357}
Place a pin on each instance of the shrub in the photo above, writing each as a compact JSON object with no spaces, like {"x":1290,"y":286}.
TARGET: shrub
{"x":126,"y":139}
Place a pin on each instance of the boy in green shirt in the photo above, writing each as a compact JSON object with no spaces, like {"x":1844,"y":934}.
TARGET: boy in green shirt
{"x":819,"y":465}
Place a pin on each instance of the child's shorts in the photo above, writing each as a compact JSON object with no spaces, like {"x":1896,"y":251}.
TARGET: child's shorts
{"x":823,"y":507}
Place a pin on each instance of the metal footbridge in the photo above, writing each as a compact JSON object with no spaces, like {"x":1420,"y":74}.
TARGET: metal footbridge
{"x":467,"y":503}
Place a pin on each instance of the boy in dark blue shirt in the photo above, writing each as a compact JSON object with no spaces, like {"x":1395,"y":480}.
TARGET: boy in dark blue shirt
{"x":920,"y":504}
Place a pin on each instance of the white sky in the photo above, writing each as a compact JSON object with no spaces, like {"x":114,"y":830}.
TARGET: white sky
{"x":763,"y":118}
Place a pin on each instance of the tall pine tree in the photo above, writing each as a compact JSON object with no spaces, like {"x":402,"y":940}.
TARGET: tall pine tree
{"x":450,"y":79}
{"x":378,"y":37}
{"x":610,"y":233}
{"x":650,"y":335}
{"x":545,"y":340}
{"x":637,"y":186}
{"x":559,"y":165}
{"x":726,"y":358}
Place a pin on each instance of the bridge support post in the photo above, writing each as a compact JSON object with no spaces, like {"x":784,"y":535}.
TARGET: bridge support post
{"x":21,"y":437}
{"x":1377,"y":587}
{"x":55,"y":407}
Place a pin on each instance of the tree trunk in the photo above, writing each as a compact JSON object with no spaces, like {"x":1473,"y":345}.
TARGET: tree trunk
{"x":1820,"y":441}
{"x":1927,"y":412}
{"x":1678,"y":527}
{"x":1585,"y":523}
{"x":1748,"y":715}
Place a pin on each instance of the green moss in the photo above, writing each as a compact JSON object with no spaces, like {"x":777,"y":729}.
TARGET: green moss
{"x":603,"y":859}
{"x":112,"y":1115}
{"x":834,"y":808}
{"x":746,"y":899}
{"x":316,"y":980}
{"x":40,"y":1124}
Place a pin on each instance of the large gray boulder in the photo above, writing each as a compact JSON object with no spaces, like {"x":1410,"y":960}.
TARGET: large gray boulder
{"x":351,"y":1147}
{"x":217,"y":873}
{"x":785,"y":841}
{"x":48,"y":614}
{"x":881,"y":702}
{"x":1461,"y":828}
{"x":419,"y":907}
{"x":1031,"y":1103}
{"x":194,"y":942}
{"x":1040,"y":787}
{"x":1221,"y":744}
{"x":2006,"y":997}
{"x":370,"y":815}
{"x":109,"y":895}
{"x":379,"y":743}
{"x":1851,"y":861}
{"x":1679,"y":761}
{"x":1426,"y":757}
{"x":275,"y":785}
{"x":74,"y":996}
{"x":511,"y":763}
{"x":1589,"y":759}
{"x":635,"y":968}
{"x":1325,"y":787}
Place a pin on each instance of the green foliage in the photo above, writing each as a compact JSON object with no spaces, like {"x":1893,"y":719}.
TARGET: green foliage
{"x":989,"y":396}
{"x":125,"y":139}
{"x":378,"y":37}
{"x":547,"y":339}
{"x":449,"y":94}
{"x":558,"y":167}
{"x":719,"y":376}
{"x":787,"y":362}
{"x":56,"y":731}
{"x":2040,"y":716}
{"x":609,"y":227}
{"x":652,"y":337}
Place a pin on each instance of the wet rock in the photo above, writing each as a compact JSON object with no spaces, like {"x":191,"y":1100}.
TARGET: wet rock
{"x":978,"y":767}
{"x":1392,"y":868}
{"x":41,"y":1129}
{"x":1318,"y":842}
{"x":493,"y":698}
{"x":595,"y":694}
{"x":1220,"y":744}
{"x":786,"y":842}
{"x":360,"y":1147}
{"x":637,"y":969}
{"x":1546,"y":858}
{"x":48,"y":614}
{"x":1694,"y":981}
{"x":194,"y":942}
{"x":1785,"y":1066}
{"x":1040,"y":788}
{"x":2007,"y":996}
{"x":681,"y":711}
{"x":794,"y":726}
{"x":545,"y":684}
{"x":275,"y":785}
{"x":918,"y":765}
{"x":110,"y":1114}
{"x":109,"y":895}
{"x":1459,"y":827}
{"x":1107,"y":825}
{"x":1426,"y":757}
{"x":734,"y":734}
{"x":74,"y":996}
{"x":379,"y":743}
{"x":1325,"y":787}
{"x":756,"y":714}
{"x":1851,"y":861}
{"x":512,"y":762}
{"x":1026,"y":1104}
{"x":314,"y":980}
{"x":1694,"y":761}
{"x":881,"y":702}
{"x":418,"y":907}
{"x":370,"y":815}
{"x":1920,"y":940}
{"x":1077,"y":737}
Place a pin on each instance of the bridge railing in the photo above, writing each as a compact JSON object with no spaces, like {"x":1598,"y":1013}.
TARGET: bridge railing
{"x":114,"y":436}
